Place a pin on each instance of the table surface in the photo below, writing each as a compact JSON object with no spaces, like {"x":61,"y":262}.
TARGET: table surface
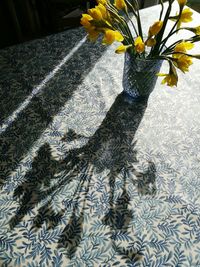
{"x":88,"y":179}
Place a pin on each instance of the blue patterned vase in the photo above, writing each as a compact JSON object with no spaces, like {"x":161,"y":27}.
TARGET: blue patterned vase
{"x":139,"y":77}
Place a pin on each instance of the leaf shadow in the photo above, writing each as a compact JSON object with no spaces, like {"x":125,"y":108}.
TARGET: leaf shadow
{"x":111,"y":148}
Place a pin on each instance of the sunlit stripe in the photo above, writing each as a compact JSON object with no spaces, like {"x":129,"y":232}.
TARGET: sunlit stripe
{"x":37,"y":89}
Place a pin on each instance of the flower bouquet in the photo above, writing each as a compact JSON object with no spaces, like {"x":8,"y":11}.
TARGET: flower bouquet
{"x":112,"y":21}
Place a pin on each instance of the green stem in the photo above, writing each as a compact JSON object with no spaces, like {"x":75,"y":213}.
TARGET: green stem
{"x":193,"y":39}
{"x":171,"y":32}
{"x":162,"y":9}
{"x":122,"y":21}
{"x":129,"y":5}
{"x":164,"y":40}
{"x":132,"y":23}
{"x":139,"y":25}
{"x":161,"y":33}
{"x":138,"y":19}
{"x":186,"y":54}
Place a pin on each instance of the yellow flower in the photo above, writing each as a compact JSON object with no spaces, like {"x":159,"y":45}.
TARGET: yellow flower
{"x":139,"y":45}
{"x":120,"y":4}
{"x":182,"y":48}
{"x":103,"y":10}
{"x":182,"y":2}
{"x":85,"y":21}
{"x":122,"y":49}
{"x":151,"y":42}
{"x":98,"y":13}
{"x":155,"y":28}
{"x":183,"y":63}
{"x":110,"y":36}
{"x":103,"y":2}
{"x":93,"y":35}
{"x":186,"y":16}
{"x":95,"y":13}
{"x":171,"y":78}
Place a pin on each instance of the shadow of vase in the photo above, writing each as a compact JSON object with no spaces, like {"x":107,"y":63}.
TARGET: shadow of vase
{"x":111,"y":149}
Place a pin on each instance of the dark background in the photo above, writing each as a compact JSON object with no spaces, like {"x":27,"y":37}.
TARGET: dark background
{"x":23,"y":20}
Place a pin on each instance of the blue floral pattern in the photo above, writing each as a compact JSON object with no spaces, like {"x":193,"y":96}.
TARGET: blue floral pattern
{"x":87,"y":177}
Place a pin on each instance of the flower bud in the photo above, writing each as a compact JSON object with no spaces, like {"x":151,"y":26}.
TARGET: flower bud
{"x":155,"y":28}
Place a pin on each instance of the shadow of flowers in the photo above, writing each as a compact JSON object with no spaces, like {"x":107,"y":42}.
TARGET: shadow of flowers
{"x":111,"y":148}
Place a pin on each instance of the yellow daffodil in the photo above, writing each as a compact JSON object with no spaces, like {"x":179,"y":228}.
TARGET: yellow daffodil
{"x":171,"y":78}
{"x":186,"y":16}
{"x":122,"y":49}
{"x":151,"y":42}
{"x":183,"y":63}
{"x":182,"y":48}
{"x":98,"y":13}
{"x":182,"y":2}
{"x":139,"y":45}
{"x":103,"y":10}
{"x":120,"y":4}
{"x":85,"y":21}
{"x":92,"y":32}
{"x":110,"y":36}
{"x":155,"y":28}
{"x":95,"y":13}
{"x":103,"y":2}
{"x":93,"y":35}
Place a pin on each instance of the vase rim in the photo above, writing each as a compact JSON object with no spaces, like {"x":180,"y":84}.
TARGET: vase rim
{"x":144,"y":59}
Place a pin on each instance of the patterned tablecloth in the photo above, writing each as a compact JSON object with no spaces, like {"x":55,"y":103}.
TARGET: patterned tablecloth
{"x":88,"y":179}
